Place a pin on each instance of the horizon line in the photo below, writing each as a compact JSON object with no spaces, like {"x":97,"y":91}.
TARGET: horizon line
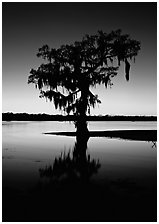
{"x":74,"y":115}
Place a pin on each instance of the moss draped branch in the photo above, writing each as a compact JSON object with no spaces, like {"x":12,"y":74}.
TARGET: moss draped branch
{"x":73,"y":69}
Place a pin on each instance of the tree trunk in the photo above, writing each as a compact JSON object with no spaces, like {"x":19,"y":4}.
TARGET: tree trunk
{"x":81,"y":126}
{"x":81,"y":122}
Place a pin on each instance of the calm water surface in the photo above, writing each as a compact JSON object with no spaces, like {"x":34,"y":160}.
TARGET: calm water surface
{"x":26,"y":149}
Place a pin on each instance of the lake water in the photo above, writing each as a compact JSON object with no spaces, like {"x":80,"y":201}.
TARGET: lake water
{"x":123,"y":163}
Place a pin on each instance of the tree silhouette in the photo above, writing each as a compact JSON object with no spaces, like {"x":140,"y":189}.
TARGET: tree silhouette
{"x":71,"y":70}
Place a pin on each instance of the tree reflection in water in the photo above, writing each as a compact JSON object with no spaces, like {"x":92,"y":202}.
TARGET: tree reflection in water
{"x":73,"y":167}
{"x":72,"y":195}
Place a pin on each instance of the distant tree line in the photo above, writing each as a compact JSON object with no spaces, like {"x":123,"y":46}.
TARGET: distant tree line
{"x":46,"y":117}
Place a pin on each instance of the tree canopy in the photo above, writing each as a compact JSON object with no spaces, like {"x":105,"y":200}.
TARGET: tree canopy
{"x":69,"y":71}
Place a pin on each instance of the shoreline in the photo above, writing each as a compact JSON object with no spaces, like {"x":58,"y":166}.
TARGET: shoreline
{"x":138,"y":135}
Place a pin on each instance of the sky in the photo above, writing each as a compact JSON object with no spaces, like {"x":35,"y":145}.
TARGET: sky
{"x":28,"y":26}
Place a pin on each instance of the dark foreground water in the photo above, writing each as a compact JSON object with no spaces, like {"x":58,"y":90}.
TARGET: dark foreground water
{"x":58,"y":178}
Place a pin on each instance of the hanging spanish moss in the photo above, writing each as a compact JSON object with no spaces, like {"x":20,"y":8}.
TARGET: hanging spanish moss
{"x":69,"y":71}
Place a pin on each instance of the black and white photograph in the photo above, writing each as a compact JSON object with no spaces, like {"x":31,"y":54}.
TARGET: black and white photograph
{"x":79,"y":111}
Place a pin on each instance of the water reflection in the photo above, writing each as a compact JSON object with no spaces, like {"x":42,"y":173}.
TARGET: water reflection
{"x":76,"y":186}
{"x":76,"y":198}
{"x":69,"y":194}
{"x":73,"y":166}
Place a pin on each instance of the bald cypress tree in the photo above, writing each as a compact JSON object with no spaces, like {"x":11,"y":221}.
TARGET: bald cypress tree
{"x":69,"y":71}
